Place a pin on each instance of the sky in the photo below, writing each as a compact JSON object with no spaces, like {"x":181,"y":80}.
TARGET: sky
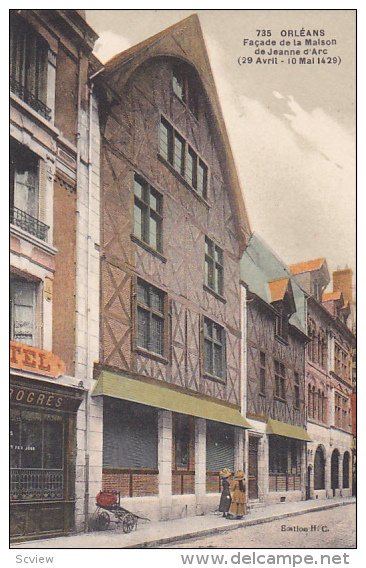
{"x":291,"y":127}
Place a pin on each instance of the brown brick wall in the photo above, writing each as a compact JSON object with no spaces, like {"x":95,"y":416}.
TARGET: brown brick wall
{"x":63,"y":324}
{"x":136,"y":484}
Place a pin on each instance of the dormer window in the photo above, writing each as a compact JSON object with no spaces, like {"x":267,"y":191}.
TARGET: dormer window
{"x":184,"y":87}
{"x":28,"y":66}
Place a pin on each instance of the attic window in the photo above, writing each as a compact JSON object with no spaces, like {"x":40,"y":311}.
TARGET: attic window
{"x":184,"y":87}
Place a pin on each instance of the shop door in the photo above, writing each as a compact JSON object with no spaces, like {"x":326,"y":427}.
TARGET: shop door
{"x":253,"y":467}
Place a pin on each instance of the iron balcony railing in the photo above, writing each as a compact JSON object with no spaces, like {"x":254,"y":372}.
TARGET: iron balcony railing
{"x":28,"y":223}
{"x":29,"y":98}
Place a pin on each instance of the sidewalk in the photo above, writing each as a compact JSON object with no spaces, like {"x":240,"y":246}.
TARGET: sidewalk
{"x":154,"y":534}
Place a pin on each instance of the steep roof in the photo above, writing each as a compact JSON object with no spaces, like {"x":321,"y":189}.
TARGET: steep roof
{"x":306,"y":266}
{"x":268,"y":277}
{"x":184,"y":40}
{"x":332,"y":296}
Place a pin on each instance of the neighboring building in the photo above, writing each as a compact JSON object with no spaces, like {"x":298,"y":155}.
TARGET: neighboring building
{"x":328,"y":383}
{"x":174,"y":228}
{"x":54,"y":228}
{"x":274,"y":312}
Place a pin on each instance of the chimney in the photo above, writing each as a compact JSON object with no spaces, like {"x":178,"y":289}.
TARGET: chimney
{"x":342,"y":280}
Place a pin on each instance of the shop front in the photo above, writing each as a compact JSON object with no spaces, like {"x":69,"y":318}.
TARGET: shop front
{"x":42,"y":450}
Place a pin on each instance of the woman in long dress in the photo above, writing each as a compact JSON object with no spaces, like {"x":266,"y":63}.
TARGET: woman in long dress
{"x":225,"y":500}
{"x":238,"y":496}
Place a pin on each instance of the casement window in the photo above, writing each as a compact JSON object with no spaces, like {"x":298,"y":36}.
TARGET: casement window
{"x":148,"y":218}
{"x":341,"y":362}
{"x":24,"y":191}
{"x":262,"y":373}
{"x":296,"y":390}
{"x":174,"y":149}
{"x":280,"y":380}
{"x":338,"y":410}
{"x":214,"y":267}
{"x":184,"y":87}
{"x":23,"y":311}
{"x":150,"y":318}
{"x":281,"y":326}
{"x":28,"y":66}
{"x":214,"y":350}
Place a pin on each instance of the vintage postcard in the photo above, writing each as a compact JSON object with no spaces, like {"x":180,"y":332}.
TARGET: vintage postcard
{"x":182,"y":283}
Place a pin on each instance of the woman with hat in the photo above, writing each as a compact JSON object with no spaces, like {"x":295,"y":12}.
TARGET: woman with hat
{"x":238,"y":496}
{"x":225,"y":500}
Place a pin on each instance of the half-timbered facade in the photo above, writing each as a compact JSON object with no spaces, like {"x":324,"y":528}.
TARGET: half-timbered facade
{"x":274,"y":310}
{"x":328,"y":382}
{"x":173,"y":230}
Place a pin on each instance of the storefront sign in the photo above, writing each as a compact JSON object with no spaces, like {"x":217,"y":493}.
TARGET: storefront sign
{"x":27,"y":358}
{"x":35,"y":397}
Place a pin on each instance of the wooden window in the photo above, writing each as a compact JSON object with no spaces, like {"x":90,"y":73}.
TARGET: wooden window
{"x":150,"y":318}
{"x":214,"y":266}
{"x":280,"y":380}
{"x":180,"y":155}
{"x":338,"y":410}
{"x":184,"y":87}
{"x":28,"y":65}
{"x":23,"y":311}
{"x":214,"y":350}
{"x":281,"y":326}
{"x":297,"y":390}
{"x":147,"y":214}
{"x":262,"y":373}
{"x":310,"y":403}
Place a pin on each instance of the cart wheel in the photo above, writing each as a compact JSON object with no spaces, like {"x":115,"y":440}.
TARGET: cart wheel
{"x":129,"y":523}
{"x":103,"y":521}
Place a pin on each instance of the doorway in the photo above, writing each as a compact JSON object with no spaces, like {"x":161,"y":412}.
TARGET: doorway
{"x":335,"y":471}
{"x":253,"y":467}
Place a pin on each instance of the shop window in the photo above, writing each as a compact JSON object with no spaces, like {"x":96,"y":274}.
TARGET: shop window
{"x":23,"y":311}
{"x":219,"y":446}
{"x":148,"y":219}
{"x":182,"y":441}
{"x":280,"y":380}
{"x":214,"y":267}
{"x":36,"y":455}
{"x":150,"y":318}
{"x":24,"y":191}
{"x":130,"y":436}
{"x":28,"y":66}
{"x":214,"y":350}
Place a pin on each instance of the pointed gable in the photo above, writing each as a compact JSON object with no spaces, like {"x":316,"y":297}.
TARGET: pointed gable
{"x":185,"y":42}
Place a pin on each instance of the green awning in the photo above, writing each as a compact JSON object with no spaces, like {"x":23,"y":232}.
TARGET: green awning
{"x":287,"y":430}
{"x":160,"y":396}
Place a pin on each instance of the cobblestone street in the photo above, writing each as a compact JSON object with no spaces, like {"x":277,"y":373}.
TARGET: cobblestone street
{"x":334,"y":528}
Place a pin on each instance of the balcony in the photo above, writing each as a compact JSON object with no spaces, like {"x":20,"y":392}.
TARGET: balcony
{"x":28,"y":223}
{"x":20,"y":91}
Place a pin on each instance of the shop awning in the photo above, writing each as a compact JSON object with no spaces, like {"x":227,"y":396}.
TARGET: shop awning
{"x":287,"y":430}
{"x":160,"y":396}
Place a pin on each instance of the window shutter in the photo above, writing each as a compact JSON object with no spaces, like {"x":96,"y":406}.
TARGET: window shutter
{"x":219,"y":446}
{"x":130,"y":436}
{"x":42,"y":188}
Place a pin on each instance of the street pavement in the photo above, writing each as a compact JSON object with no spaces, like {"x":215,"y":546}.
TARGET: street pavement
{"x":157,"y":534}
{"x":332,"y":528}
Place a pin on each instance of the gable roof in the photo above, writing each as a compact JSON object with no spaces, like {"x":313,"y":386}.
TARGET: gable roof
{"x":268,"y":277}
{"x":306,"y":266}
{"x":184,"y":40}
